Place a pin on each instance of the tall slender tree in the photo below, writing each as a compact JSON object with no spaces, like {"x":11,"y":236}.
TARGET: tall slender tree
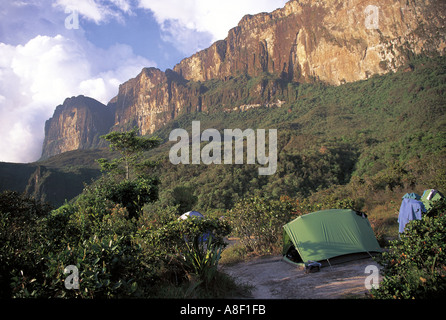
{"x":131,"y":147}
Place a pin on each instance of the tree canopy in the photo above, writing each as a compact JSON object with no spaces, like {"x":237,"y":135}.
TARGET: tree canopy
{"x":131,"y":147}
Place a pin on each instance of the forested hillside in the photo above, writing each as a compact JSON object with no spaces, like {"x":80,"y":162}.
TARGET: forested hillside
{"x":360,"y":145}
{"x":372,"y":136}
{"x":383,"y":133}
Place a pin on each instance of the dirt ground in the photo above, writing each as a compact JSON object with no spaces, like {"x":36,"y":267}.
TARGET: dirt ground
{"x":273,"y":278}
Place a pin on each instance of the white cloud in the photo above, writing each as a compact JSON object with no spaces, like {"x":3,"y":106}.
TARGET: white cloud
{"x":123,"y":5}
{"x":42,"y":63}
{"x":184,"y":39}
{"x":210,"y":20}
{"x":39,"y":75}
{"x":96,"y":10}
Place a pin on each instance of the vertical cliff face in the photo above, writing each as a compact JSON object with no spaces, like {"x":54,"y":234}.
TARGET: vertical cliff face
{"x":333,"y":40}
{"x":153,"y":98}
{"x":76,"y":124}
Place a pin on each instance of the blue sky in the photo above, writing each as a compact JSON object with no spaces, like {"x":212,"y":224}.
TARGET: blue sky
{"x":46,"y":56}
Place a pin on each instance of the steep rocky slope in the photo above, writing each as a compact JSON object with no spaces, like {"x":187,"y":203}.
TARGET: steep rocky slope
{"x":334,"y":41}
{"x":331,"y":41}
{"x":153,"y":98}
{"x":76,"y":124}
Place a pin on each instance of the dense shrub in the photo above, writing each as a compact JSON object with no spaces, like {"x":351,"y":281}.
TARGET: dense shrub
{"x":117,"y":256}
{"x":191,"y":248}
{"x":325,"y":202}
{"x":258,"y":222}
{"x":21,"y":236}
{"x":109,"y":267}
{"x":174,"y":237}
{"x":131,"y":194}
{"x":414,"y":266}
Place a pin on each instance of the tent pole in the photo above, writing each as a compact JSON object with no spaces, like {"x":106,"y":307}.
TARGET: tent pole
{"x":329,"y":264}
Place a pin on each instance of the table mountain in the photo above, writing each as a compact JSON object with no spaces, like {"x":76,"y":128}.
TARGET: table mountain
{"x":76,"y":124}
{"x":329,"y":41}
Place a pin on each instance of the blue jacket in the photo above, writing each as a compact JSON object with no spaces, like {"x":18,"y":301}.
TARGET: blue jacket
{"x":410,"y":209}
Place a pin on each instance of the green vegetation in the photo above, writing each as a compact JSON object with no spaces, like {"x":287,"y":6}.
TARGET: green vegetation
{"x":371,"y":141}
{"x":120,"y":249}
{"x":131,"y":148}
{"x":127,"y":182}
{"x":258,"y":222}
{"x":415,"y":265}
{"x":360,"y":145}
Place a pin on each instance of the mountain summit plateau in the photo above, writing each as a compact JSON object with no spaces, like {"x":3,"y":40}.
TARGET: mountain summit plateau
{"x":330,"y":41}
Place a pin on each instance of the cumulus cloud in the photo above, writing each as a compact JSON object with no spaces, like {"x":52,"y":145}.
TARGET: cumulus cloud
{"x":42,"y":62}
{"x":39,"y":75}
{"x":208,"y":20}
{"x":96,"y":10}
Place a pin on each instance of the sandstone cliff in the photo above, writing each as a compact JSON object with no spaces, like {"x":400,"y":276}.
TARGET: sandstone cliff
{"x":153,"y":98}
{"x":333,"y":41}
{"x":76,"y":124}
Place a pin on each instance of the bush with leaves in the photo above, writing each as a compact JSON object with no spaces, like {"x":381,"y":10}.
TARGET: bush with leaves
{"x":108,"y":254}
{"x":131,"y":194}
{"x":309,"y":205}
{"x":438,"y":208}
{"x":109,"y":267}
{"x":259,"y":222}
{"x":97,"y":233}
{"x":414,"y":266}
{"x":181,"y":241}
{"x":21,"y":237}
{"x":202,"y":257}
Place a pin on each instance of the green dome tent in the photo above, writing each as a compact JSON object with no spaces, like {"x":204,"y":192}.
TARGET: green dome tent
{"x":430,"y":196}
{"x":323,"y":235}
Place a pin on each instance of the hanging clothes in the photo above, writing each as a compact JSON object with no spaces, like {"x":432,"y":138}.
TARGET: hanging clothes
{"x":410,"y":209}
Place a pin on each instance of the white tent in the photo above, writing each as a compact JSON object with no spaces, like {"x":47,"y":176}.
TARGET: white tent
{"x":197,"y":214}
{"x":191,"y":214}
